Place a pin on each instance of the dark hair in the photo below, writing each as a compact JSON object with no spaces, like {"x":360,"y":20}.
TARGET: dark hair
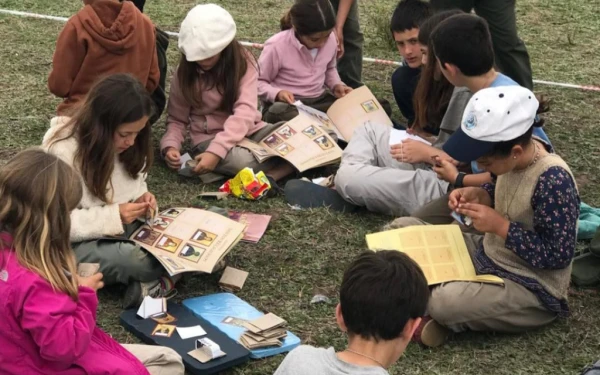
{"x":409,"y":14}
{"x":503,"y":149}
{"x":309,"y":17}
{"x":225,"y":76}
{"x":433,"y":92}
{"x":464,"y":40}
{"x":380,"y":292}
{"x":113,"y":101}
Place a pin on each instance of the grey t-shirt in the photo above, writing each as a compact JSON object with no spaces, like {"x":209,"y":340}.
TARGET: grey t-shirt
{"x":308,"y":360}
{"x":453,"y":116}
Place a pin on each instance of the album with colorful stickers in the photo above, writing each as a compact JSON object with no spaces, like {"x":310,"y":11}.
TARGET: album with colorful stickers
{"x":189,"y":239}
{"x":307,"y":141}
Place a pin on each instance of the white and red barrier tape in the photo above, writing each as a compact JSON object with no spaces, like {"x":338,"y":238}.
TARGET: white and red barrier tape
{"x":260,"y":46}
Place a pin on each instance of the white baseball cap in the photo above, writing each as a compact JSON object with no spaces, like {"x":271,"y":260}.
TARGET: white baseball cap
{"x":493,"y":115}
{"x":206,"y":30}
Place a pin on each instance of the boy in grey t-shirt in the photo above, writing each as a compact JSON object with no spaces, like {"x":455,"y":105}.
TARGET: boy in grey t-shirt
{"x":382,"y":299}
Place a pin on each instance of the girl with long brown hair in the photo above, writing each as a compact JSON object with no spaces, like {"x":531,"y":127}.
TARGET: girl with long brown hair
{"x":108,"y":142}
{"x":48,"y":311}
{"x":214,"y":94}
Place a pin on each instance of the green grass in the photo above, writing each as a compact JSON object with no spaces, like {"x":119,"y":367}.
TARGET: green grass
{"x":306,"y":251}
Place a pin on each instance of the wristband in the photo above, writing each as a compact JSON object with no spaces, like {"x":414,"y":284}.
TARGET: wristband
{"x":459,"y":180}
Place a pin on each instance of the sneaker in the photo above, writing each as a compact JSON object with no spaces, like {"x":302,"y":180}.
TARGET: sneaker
{"x":430,"y":333}
{"x":137,"y":291}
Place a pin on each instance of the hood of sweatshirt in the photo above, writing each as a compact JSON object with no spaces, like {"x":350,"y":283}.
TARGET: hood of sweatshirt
{"x":112,"y":24}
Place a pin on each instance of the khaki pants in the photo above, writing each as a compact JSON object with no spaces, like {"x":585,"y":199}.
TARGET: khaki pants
{"x":462,"y":306}
{"x":368,"y":175}
{"x":238,"y":157}
{"x":350,"y":65}
{"x":159,"y":360}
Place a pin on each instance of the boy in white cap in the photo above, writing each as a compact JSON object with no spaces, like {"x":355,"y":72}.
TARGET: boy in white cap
{"x":528,"y":218}
{"x":214,"y":94}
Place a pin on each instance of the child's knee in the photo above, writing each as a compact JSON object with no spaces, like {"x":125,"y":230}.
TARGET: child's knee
{"x":447,"y":305}
{"x":141,"y":265}
{"x":279,"y":108}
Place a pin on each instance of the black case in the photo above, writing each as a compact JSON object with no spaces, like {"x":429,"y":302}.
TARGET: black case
{"x":236,"y":354}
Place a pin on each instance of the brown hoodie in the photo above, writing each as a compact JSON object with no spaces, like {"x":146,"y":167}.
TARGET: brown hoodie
{"x":103,"y":38}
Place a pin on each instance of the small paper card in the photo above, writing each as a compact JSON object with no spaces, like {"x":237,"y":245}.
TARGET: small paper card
{"x":151,"y":214}
{"x":265,"y":323}
{"x":206,"y":350}
{"x":189,"y":332}
{"x":397,"y":136}
{"x":152,"y":306}
{"x":87,"y":269}
{"x":233,"y":279}
{"x":185,"y":170}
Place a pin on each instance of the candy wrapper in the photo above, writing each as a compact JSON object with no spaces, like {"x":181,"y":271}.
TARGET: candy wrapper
{"x":247,"y":185}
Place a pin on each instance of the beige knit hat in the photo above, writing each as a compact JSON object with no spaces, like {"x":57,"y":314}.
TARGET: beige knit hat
{"x":206,"y":30}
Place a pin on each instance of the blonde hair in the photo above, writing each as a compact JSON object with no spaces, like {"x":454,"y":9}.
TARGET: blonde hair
{"x":38,"y":191}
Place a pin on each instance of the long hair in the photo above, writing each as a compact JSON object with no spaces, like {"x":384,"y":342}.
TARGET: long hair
{"x":309,"y":17}
{"x":113,"y":101}
{"x":225,"y":76}
{"x":433,"y":91}
{"x":37,"y":193}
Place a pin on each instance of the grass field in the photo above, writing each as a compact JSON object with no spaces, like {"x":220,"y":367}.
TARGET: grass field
{"x":306,"y":251}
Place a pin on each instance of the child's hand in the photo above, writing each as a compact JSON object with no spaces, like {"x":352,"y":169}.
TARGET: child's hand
{"x":468,"y":195}
{"x":173,"y":158}
{"x":485,"y":219}
{"x":340,"y":90}
{"x":148,"y":198}
{"x":131,"y":211}
{"x":447,"y":171}
{"x":285,"y":96}
{"x":207,"y":162}
{"x":93,"y":282}
{"x":410,"y":151}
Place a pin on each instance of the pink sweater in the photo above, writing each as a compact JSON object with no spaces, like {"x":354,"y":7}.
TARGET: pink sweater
{"x":286,"y":64}
{"x":45,"y":332}
{"x":208,"y":122}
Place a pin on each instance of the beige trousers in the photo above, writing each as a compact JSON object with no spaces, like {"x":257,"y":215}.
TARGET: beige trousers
{"x":159,"y":360}
{"x":463,"y":306}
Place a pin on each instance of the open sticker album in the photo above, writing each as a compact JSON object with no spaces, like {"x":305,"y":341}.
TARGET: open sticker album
{"x":189,"y":239}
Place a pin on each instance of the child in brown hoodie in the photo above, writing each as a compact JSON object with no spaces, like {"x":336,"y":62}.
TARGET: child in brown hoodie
{"x":105,"y":37}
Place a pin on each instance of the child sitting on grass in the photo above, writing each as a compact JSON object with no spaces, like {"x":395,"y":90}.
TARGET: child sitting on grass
{"x":528,"y":218}
{"x":48,"y":312}
{"x":105,"y":37}
{"x":382,"y":299}
{"x":214,"y":98}
{"x":299,"y":63}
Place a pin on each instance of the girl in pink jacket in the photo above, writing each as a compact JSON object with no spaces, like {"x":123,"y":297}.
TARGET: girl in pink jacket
{"x":48,"y":324}
{"x":214,"y":94}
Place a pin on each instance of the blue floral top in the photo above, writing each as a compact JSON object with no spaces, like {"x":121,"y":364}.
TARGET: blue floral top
{"x":551,"y":245}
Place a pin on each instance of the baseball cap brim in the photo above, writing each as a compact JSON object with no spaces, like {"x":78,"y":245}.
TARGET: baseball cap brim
{"x":465,"y":149}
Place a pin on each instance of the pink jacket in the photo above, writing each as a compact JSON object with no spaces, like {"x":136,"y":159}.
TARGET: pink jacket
{"x":45,"y":332}
{"x":227,"y":129}
{"x":286,"y":64}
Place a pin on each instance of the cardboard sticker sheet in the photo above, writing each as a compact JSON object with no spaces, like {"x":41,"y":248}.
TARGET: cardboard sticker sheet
{"x":440,"y":250}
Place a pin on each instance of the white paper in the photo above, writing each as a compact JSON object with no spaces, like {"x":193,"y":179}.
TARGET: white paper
{"x":397,"y":136}
{"x":318,"y":180}
{"x":209,"y":347}
{"x":152,"y":306}
{"x":184,"y":159}
{"x":189,"y":332}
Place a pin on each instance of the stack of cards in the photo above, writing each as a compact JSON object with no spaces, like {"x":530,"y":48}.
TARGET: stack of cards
{"x":233,"y":279}
{"x":266,"y":331}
